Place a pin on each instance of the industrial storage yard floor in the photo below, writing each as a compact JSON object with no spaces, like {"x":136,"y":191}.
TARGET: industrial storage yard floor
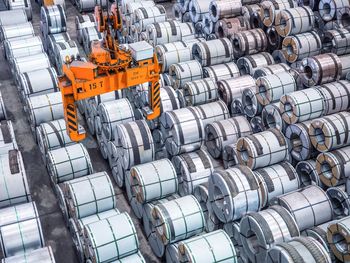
{"x":55,"y":231}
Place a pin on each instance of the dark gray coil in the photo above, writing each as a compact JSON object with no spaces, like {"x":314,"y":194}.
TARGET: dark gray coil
{"x":257,"y":124}
{"x":272,"y":118}
{"x":274,"y":40}
{"x":251,"y":105}
{"x":228,"y":26}
{"x":251,"y":14}
{"x":308,"y":174}
{"x":229,"y":156}
{"x":343,"y":16}
{"x":328,"y":8}
{"x":278,"y":56}
{"x":340,"y":201}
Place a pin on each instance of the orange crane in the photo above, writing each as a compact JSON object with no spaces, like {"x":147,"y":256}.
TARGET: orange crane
{"x":109,"y":68}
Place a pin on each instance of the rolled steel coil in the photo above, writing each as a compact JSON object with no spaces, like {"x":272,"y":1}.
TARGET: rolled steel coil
{"x":13,"y":17}
{"x":308,"y":174}
{"x":233,"y":193}
{"x":176,"y":11}
{"x":331,"y":132}
{"x":15,"y":48}
{"x":233,"y":230}
{"x":192,"y":169}
{"x":221,"y":133}
{"x":44,"y":108}
{"x":309,"y":206}
{"x":249,"y":63}
{"x":185,"y":72}
{"x":274,"y":40}
{"x":305,"y":249}
{"x":221,"y":71}
{"x":262,"y":149}
{"x":224,"y":9}
{"x":270,"y":9}
{"x":257,"y":124}
{"x":88,"y":5}
{"x":178,"y":219}
{"x":143,"y":17}
{"x":215,"y":246}
{"x":229,"y":156}
{"x":7,"y":137}
{"x":200,"y":92}
{"x":18,"y":213}
{"x":214,"y":111}
{"x":16,"y":30}
{"x":68,"y":163}
{"x":90,"y":35}
{"x":278,"y":56}
{"x":328,"y":9}
{"x":38,"y":82}
{"x":301,"y":46}
{"x":292,"y":21}
{"x":50,"y":43}
{"x":208,"y":27}
{"x":340,"y":201}
{"x":262,"y":230}
{"x":198,"y":8}
{"x":248,"y":42}
{"x":21,"y":4}
{"x":272,"y":118}
{"x":172,"y":253}
{"x":302,"y":105}
{"x":299,"y":141}
{"x":237,"y":107}
{"x":117,"y":232}
{"x":169,"y":31}
{"x":53,"y":19}
{"x":83,"y":21}
{"x":40,"y":255}
{"x":336,"y":41}
{"x":251,"y":14}
{"x":29,"y":63}
{"x":13,"y":180}
{"x":112,"y":113}
{"x":333,"y":167}
{"x":276,"y":180}
{"x":343,"y":16}
{"x":250,"y":104}
{"x":136,"y":142}
{"x":228,"y":26}
{"x":271,"y":88}
{"x":62,"y":51}
{"x":338,"y":236}
{"x":345,"y":62}
{"x":201,"y":192}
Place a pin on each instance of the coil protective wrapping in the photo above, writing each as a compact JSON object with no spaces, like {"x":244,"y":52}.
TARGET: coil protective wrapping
{"x":338,"y":236}
{"x":270,"y":10}
{"x":15,"y":48}
{"x":248,"y":42}
{"x":29,"y":63}
{"x":83,"y":21}
{"x":12,"y":17}
{"x":248,"y":64}
{"x":185,"y":72}
{"x":38,"y":255}
{"x":17,"y":30}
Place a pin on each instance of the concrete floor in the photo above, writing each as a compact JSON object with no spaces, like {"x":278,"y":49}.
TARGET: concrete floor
{"x":55,"y":232}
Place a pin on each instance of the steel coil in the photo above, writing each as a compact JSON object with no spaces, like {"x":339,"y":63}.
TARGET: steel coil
{"x":229,"y":156}
{"x":248,"y":42}
{"x":262,"y":149}
{"x":237,"y":107}
{"x":301,"y":46}
{"x":340,"y":201}
{"x":233,"y":193}
{"x":274,"y":40}
{"x":305,"y":249}
{"x":251,"y":14}
{"x":219,"y":134}
{"x":83,"y":21}
{"x":143,"y":17}
{"x":214,"y":111}
{"x":40,"y":255}
{"x":15,"y":48}
{"x":50,"y":43}
{"x":336,"y":95}
{"x":129,"y":6}
{"x":89,"y":5}
{"x":38,"y":82}
{"x":208,"y":27}
{"x":343,"y":16}
{"x":263,"y":230}
{"x":53,"y":19}
{"x":270,"y":10}
{"x":7,"y":137}
{"x":278,"y":56}
{"x":215,"y":246}
{"x":333,"y":167}
{"x":228,"y":26}
{"x":302,"y":105}
{"x":308,"y":174}
{"x":16,"y":30}
{"x":224,"y":9}
{"x":276,"y":180}
{"x":18,"y":213}
{"x":90,"y":36}
{"x":198,"y":8}
{"x":111,"y":238}
{"x":13,"y":17}
{"x":338,"y":236}
{"x":250,"y":104}
{"x":257,"y":124}
{"x":68,"y":163}
{"x":309,"y":206}
{"x":328,"y":8}
{"x":192,"y":169}
{"x":172,"y":253}
{"x":249,"y":63}
{"x":29,"y":63}
{"x":62,"y":51}
{"x":21,"y":4}
{"x":199,"y":92}
{"x":185,"y":72}
{"x":221,"y":71}
{"x":272,"y":118}
{"x":336,"y":41}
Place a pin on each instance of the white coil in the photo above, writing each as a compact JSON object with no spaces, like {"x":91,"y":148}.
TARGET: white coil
{"x":185,"y":72}
{"x":328,"y":8}
{"x":249,"y":63}
{"x":62,"y":51}
{"x":53,"y":19}
{"x":16,"y":30}
{"x":272,"y":118}
{"x":308,"y":174}
{"x":40,"y":255}
{"x":172,"y":253}
{"x":224,"y":9}
{"x":30,"y":63}
{"x":228,"y":26}
{"x":198,"y":8}
{"x":214,"y":111}
{"x":143,"y":17}
{"x":15,"y":48}
{"x":221,"y":71}
{"x":21,"y":4}
{"x":50,"y":43}
{"x":89,"y":5}
{"x":13,"y":17}
{"x":199,"y":92}
{"x":336,"y":95}
{"x":83,"y":21}
{"x":90,"y":35}
{"x":248,"y":42}
{"x":270,"y":9}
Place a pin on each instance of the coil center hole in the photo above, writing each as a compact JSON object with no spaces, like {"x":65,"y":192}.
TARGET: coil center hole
{"x":288,"y":109}
{"x":218,"y":198}
{"x":308,"y":72}
{"x":213,"y":11}
{"x":220,"y":32}
{"x":345,"y":19}
{"x":296,"y":143}
{"x":235,"y":44}
{"x":304,"y":177}
{"x":320,"y":137}
{"x":341,"y":243}
{"x":327,"y":8}
{"x":252,"y":241}
{"x":338,"y":208}
{"x":326,"y":170}
{"x":270,"y":121}
{"x":272,"y":37}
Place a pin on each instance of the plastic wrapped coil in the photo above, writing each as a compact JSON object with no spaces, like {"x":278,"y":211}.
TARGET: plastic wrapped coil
{"x":185,"y":72}
{"x":16,"y":30}
{"x":13,"y":17}
{"x":21,"y":4}
{"x":53,"y":19}
{"x":30,"y":63}
{"x":40,"y":255}
{"x":270,"y":9}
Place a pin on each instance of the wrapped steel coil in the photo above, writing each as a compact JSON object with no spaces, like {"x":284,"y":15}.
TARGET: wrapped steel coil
{"x":50,"y":43}
{"x":271,"y":88}
{"x":185,"y":72}
{"x":136,"y":142}
{"x":16,"y":30}
{"x":262,"y":149}
{"x":178,"y":219}
{"x":110,"y":238}
{"x":257,"y":124}
{"x":343,"y":15}
{"x":233,"y":230}
{"x":249,"y":63}
{"x":263,"y":230}
{"x":278,"y":56}
{"x":331,"y":132}
{"x":143,"y":17}
{"x":333,"y":167}
{"x":308,"y":174}
{"x":301,"y":46}
{"x":13,"y":180}
{"x":304,"y":249}
{"x":336,"y":41}
{"x":208,"y":27}
{"x":215,"y":246}
{"x":340,"y":201}
{"x":53,"y":19}
{"x":224,"y":9}
{"x":172,"y":253}
{"x":62,"y":51}
{"x":272,"y":118}
{"x":18,"y":213}
{"x":29,"y":63}
{"x":233,"y":193}
{"x":221,"y":133}
{"x":276,"y":180}
{"x":183,"y":130}
{"x":198,"y":8}
{"x":237,"y":107}
{"x":328,"y":8}
{"x":13,"y":17}
{"x":270,"y":70}
{"x":248,"y":42}
{"x":7,"y":137}
{"x":90,"y":35}
{"x":38,"y":82}
{"x":299,"y":142}
{"x":21,"y":4}
{"x":309,"y":206}
{"x":292,"y":21}
{"x":40,"y":255}
{"x":44,"y":108}
{"x":210,"y":112}
{"x":270,"y":9}
{"x":228,"y":26}
{"x":221,"y":71}
{"x":251,"y":14}
{"x":68,"y":163}
{"x":199,"y":92}
{"x":338,"y":236}
{"x":274,"y":40}
{"x":302,"y":105}
{"x":89,"y":5}
{"x":83,"y":21}
{"x":21,"y":47}
{"x":192,"y":169}
{"x":229,"y":156}
{"x":250,"y":104}
{"x":213,"y":52}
